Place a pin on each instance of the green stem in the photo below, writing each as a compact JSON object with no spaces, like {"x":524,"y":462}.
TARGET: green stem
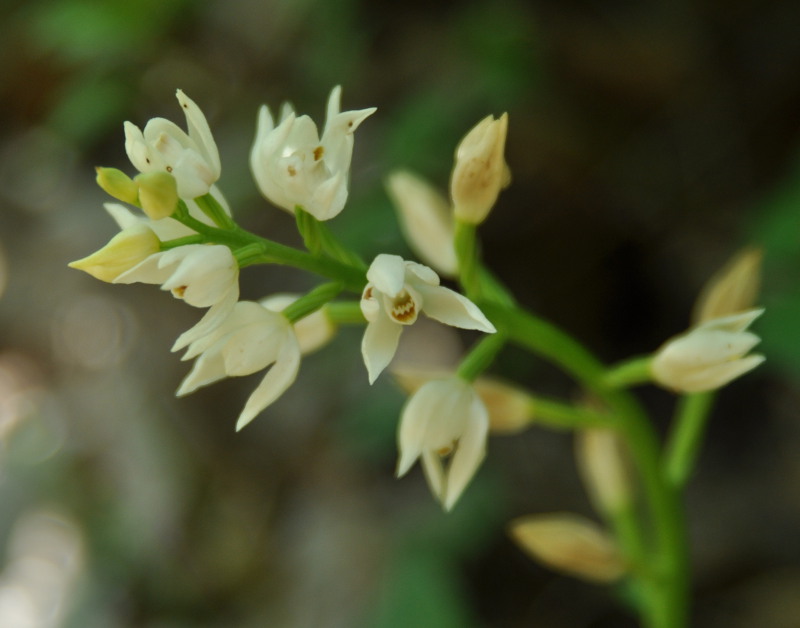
{"x":686,"y":437}
{"x":466,"y":246}
{"x":312,"y":301}
{"x":173,"y":244}
{"x":345,"y":313}
{"x":560,"y":415}
{"x":211,"y":208}
{"x":481,"y":356}
{"x":668,"y":588}
{"x":629,"y":373}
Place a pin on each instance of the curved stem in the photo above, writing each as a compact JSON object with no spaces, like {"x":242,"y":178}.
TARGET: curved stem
{"x":667,"y":594}
{"x":686,"y":436}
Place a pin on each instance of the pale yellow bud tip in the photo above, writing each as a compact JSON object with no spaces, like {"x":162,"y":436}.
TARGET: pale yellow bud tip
{"x":118,"y":184}
{"x":158,"y":194}
{"x":603,"y":465}
{"x":733,"y":289}
{"x":480,"y":170}
{"x":123,"y":252}
{"x":570,"y":544}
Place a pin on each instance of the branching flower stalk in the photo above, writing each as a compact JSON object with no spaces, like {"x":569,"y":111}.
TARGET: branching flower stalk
{"x":187,"y":240}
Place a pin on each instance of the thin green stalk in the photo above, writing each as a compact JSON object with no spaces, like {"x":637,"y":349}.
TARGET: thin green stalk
{"x":466,"y":246}
{"x":211,"y":208}
{"x":668,"y":601}
{"x":312,"y":301}
{"x":345,"y":313}
{"x":686,"y":437}
{"x":481,"y":356}
{"x":560,"y":415}
{"x":629,"y":373}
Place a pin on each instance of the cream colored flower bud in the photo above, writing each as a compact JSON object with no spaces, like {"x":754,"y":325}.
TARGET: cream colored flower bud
{"x":570,"y":544}
{"x":709,"y":355}
{"x":603,"y":466}
{"x":118,"y":184}
{"x":733,"y":289}
{"x":158,"y":194}
{"x":510,"y":408}
{"x":480,"y":170}
{"x":124,"y":251}
{"x":426,"y":220}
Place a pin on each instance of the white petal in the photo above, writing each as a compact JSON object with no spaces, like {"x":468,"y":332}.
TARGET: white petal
{"x":123,"y":216}
{"x":207,"y":369}
{"x":713,"y":377}
{"x":451,"y":308}
{"x":469,"y":453}
{"x":200,"y":132}
{"x":280,"y":376}
{"x":388,"y":274}
{"x":215,"y":316}
{"x":334,"y":104}
{"x":147,"y":271}
{"x":414,"y":421}
{"x":734,"y":323}
{"x":422,"y":273}
{"x":434,"y":474}
{"x":254,"y":347}
{"x":136,"y":147}
{"x":379,"y":344}
{"x":329,"y":198}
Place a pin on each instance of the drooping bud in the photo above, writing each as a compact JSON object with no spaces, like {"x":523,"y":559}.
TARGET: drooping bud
{"x":733,"y":289}
{"x":426,"y":220}
{"x":570,"y":544}
{"x":158,"y":194}
{"x":124,"y":251}
{"x":480,"y":170}
{"x":603,"y":466}
{"x":118,"y":184}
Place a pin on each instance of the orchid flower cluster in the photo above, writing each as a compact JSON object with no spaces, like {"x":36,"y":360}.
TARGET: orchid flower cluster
{"x":177,"y":231}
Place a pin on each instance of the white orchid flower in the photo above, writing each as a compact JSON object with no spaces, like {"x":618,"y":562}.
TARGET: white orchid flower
{"x":444,"y":419}
{"x":294,"y":167}
{"x":200,"y":274}
{"x":251,"y":338}
{"x":193,"y":158}
{"x":709,"y":355}
{"x":397,"y":292}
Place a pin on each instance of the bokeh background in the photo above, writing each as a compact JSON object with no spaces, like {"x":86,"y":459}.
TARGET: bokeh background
{"x":648,"y":142}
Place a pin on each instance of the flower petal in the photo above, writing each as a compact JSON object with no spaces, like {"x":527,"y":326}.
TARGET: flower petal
{"x":451,"y":308}
{"x":200,"y":132}
{"x":469,"y":453}
{"x":434,"y":474}
{"x":379,"y":344}
{"x":275,"y":382}
{"x":388,"y":274}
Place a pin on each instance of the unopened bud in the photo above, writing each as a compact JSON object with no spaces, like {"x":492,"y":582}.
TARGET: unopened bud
{"x":733,"y":289}
{"x":158,"y":194}
{"x":480,"y":170}
{"x":124,"y":251}
{"x":426,"y":220}
{"x":603,"y":467}
{"x":118,"y":184}
{"x":570,"y":544}
{"x":709,"y":355}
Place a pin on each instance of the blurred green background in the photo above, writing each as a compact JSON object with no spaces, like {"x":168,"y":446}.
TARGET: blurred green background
{"x":648,"y":142}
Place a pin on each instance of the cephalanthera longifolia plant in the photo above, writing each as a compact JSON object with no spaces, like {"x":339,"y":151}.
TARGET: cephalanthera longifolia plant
{"x":187,"y":240}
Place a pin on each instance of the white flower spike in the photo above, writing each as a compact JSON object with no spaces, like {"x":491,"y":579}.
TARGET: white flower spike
{"x":395,"y":295}
{"x":193,"y":158}
{"x":294,"y":167}
{"x":444,"y":418}
{"x":251,"y":338}
{"x":709,"y":355}
{"x":200,"y":274}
